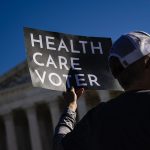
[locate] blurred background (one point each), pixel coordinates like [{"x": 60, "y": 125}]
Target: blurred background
[{"x": 29, "y": 115}]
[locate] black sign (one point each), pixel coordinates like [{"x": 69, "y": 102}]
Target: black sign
[{"x": 58, "y": 61}]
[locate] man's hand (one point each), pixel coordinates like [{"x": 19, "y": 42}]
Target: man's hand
[{"x": 72, "y": 96}]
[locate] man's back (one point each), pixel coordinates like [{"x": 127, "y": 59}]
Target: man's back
[
  {"x": 123, "y": 123},
  {"x": 120, "y": 124}
]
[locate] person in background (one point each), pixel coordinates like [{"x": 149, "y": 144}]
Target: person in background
[{"x": 122, "y": 123}]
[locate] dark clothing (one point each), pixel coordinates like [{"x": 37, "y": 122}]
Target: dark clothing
[{"x": 120, "y": 124}]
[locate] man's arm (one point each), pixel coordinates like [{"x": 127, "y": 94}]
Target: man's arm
[{"x": 68, "y": 119}]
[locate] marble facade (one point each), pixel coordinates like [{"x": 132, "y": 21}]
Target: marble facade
[{"x": 29, "y": 115}]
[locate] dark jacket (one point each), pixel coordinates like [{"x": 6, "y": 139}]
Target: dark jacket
[{"x": 120, "y": 124}]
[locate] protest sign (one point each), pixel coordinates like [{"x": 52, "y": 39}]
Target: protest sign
[{"x": 59, "y": 61}]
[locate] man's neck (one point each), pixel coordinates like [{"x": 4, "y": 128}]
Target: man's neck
[{"x": 137, "y": 87}]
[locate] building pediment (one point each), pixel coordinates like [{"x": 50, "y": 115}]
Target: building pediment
[{"x": 16, "y": 76}]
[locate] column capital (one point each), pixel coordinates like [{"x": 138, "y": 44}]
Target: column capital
[
  {"x": 27, "y": 106},
  {"x": 4, "y": 111}
]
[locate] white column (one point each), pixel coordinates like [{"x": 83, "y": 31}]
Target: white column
[
  {"x": 10, "y": 132},
  {"x": 82, "y": 107},
  {"x": 34, "y": 129},
  {"x": 104, "y": 95},
  {"x": 55, "y": 112}
]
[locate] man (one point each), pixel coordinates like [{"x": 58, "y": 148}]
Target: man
[{"x": 124, "y": 122}]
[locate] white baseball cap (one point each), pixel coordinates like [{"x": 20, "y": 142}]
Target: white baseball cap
[{"x": 131, "y": 47}]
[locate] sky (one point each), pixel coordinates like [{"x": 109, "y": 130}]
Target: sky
[{"x": 107, "y": 18}]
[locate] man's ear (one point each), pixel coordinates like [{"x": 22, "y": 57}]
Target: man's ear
[
  {"x": 115, "y": 66},
  {"x": 147, "y": 63}
]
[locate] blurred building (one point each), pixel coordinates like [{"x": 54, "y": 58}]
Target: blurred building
[{"x": 28, "y": 115}]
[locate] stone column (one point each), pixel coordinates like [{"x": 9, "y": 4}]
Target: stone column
[
  {"x": 82, "y": 107},
  {"x": 10, "y": 132},
  {"x": 34, "y": 129},
  {"x": 104, "y": 95},
  {"x": 55, "y": 112}
]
